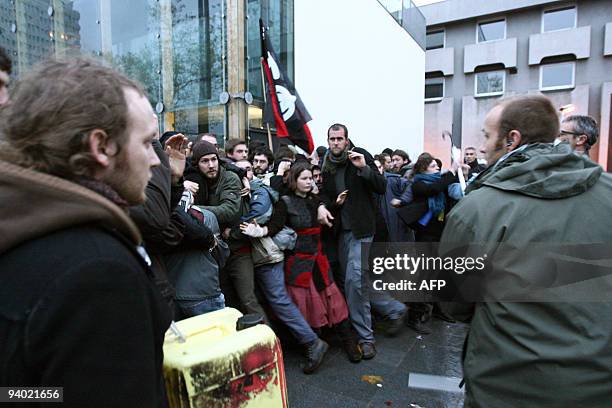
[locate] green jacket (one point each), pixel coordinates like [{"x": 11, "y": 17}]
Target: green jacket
[
  {"x": 224, "y": 198},
  {"x": 550, "y": 354}
]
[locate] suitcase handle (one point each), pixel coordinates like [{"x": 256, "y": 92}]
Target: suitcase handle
[
  {"x": 182, "y": 338},
  {"x": 175, "y": 330}
]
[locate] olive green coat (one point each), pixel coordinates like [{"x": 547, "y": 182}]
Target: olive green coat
[{"x": 554, "y": 354}]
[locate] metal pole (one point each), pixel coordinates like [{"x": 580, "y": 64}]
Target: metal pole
[{"x": 263, "y": 83}]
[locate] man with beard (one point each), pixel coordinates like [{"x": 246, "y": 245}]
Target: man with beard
[
  {"x": 580, "y": 131},
  {"x": 219, "y": 191},
  {"x": 79, "y": 308},
  {"x": 262, "y": 160},
  {"x": 317, "y": 177},
  {"x": 350, "y": 183},
  {"x": 543, "y": 352}
]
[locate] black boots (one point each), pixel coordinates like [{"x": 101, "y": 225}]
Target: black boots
[
  {"x": 368, "y": 350},
  {"x": 315, "y": 352},
  {"x": 349, "y": 342}
]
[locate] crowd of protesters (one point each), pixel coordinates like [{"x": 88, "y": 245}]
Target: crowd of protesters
[{"x": 111, "y": 230}]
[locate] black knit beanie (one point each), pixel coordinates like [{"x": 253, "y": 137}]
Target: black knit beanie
[{"x": 202, "y": 148}]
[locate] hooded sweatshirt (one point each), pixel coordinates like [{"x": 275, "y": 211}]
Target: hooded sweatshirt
[
  {"x": 78, "y": 307},
  {"x": 536, "y": 354}
]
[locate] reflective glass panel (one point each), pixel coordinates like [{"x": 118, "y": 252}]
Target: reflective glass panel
[
  {"x": 30, "y": 32},
  {"x": 85, "y": 34},
  {"x": 198, "y": 70},
  {"x": 130, "y": 33},
  {"x": 8, "y": 39},
  {"x": 559, "y": 19},
  {"x": 493, "y": 30},
  {"x": 435, "y": 40},
  {"x": 490, "y": 82},
  {"x": 278, "y": 15},
  {"x": 175, "y": 48},
  {"x": 557, "y": 75}
]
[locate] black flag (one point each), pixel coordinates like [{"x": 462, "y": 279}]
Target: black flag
[{"x": 284, "y": 108}]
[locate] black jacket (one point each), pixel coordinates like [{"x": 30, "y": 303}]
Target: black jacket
[
  {"x": 153, "y": 218},
  {"x": 78, "y": 306},
  {"x": 363, "y": 186},
  {"x": 166, "y": 227},
  {"x": 475, "y": 168},
  {"x": 161, "y": 232}
]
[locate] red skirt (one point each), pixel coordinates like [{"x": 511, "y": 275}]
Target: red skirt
[{"x": 324, "y": 308}]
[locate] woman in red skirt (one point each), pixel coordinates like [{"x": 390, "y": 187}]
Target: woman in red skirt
[{"x": 308, "y": 277}]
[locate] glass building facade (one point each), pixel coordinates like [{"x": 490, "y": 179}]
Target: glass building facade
[{"x": 186, "y": 53}]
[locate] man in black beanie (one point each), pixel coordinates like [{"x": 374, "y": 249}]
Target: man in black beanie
[
  {"x": 215, "y": 189},
  {"x": 219, "y": 192}
]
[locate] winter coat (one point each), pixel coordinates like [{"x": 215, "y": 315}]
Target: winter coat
[
  {"x": 78, "y": 306},
  {"x": 362, "y": 184},
  {"x": 261, "y": 203},
  {"x": 536, "y": 354},
  {"x": 153, "y": 217},
  {"x": 475, "y": 168},
  {"x": 398, "y": 187},
  {"x": 194, "y": 271},
  {"x": 304, "y": 261},
  {"x": 161, "y": 232},
  {"x": 221, "y": 198},
  {"x": 406, "y": 170}
]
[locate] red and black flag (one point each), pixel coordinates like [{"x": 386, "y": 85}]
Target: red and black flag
[{"x": 284, "y": 108}]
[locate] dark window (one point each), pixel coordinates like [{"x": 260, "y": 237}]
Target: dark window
[
  {"x": 434, "y": 88},
  {"x": 435, "y": 40}
]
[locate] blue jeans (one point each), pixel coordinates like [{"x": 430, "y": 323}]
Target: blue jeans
[
  {"x": 359, "y": 297},
  {"x": 192, "y": 308},
  {"x": 271, "y": 280}
]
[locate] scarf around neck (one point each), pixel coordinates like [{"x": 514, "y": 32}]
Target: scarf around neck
[
  {"x": 331, "y": 162},
  {"x": 104, "y": 190}
]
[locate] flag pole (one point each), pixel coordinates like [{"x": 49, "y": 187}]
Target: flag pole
[
  {"x": 284, "y": 109},
  {"x": 262, "y": 34},
  {"x": 263, "y": 84}
]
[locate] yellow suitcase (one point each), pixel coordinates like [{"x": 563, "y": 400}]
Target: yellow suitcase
[{"x": 217, "y": 366}]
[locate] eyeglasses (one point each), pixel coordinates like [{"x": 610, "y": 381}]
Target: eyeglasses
[{"x": 567, "y": 132}]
